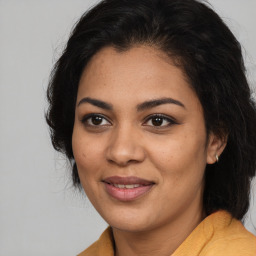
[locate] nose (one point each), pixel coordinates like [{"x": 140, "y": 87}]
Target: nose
[{"x": 125, "y": 147}]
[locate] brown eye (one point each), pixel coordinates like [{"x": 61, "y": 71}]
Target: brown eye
[
  {"x": 95, "y": 120},
  {"x": 157, "y": 121}
]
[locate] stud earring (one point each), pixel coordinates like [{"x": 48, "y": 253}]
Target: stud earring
[{"x": 217, "y": 158}]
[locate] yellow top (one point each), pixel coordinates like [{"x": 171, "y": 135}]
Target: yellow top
[{"x": 217, "y": 235}]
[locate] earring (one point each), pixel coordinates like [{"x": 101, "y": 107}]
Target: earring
[{"x": 217, "y": 158}]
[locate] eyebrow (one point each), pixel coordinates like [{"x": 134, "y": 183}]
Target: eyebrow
[
  {"x": 143, "y": 106},
  {"x": 97, "y": 103},
  {"x": 158, "y": 102}
]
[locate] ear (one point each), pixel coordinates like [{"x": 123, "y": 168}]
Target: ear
[{"x": 215, "y": 147}]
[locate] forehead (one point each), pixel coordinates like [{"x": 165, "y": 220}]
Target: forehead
[
  {"x": 141, "y": 72},
  {"x": 135, "y": 63}
]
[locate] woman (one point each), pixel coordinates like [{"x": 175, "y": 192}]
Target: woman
[{"x": 150, "y": 103}]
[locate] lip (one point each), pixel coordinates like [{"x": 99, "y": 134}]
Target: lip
[
  {"x": 127, "y": 194},
  {"x": 127, "y": 180}
]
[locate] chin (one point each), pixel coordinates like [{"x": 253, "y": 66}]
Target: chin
[
  {"x": 130, "y": 227},
  {"x": 131, "y": 222}
]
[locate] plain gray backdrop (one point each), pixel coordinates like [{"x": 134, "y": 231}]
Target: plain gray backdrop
[{"x": 40, "y": 213}]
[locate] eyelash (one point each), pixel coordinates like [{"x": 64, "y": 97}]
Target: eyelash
[
  {"x": 89, "y": 116},
  {"x": 171, "y": 121}
]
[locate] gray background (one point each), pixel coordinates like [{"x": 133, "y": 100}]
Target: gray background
[{"x": 40, "y": 213}]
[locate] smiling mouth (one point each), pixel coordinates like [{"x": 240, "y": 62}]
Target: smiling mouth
[{"x": 127, "y": 188}]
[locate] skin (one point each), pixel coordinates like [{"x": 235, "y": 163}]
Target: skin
[{"x": 128, "y": 143}]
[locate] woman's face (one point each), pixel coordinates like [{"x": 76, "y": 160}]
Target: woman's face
[{"x": 139, "y": 139}]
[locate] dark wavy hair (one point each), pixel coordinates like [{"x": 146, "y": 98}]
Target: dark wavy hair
[{"x": 199, "y": 42}]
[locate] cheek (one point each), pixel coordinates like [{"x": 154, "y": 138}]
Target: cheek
[
  {"x": 88, "y": 161},
  {"x": 177, "y": 153},
  {"x": 181, "y": 160},
  {"x": 87, "y": 155}
]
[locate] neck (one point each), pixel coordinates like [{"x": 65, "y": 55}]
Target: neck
[{"x": 161, "y": 241}]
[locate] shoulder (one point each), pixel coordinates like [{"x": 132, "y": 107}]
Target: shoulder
[
  {"x": 230, "y": 238},
  {"x": 218, "y": 235},
  {"x": 103, "y": 246}
]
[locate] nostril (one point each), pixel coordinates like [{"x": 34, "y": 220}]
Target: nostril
[
  {"x": 124, "y": 147},
  {"x": 122, "y": 162}
]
